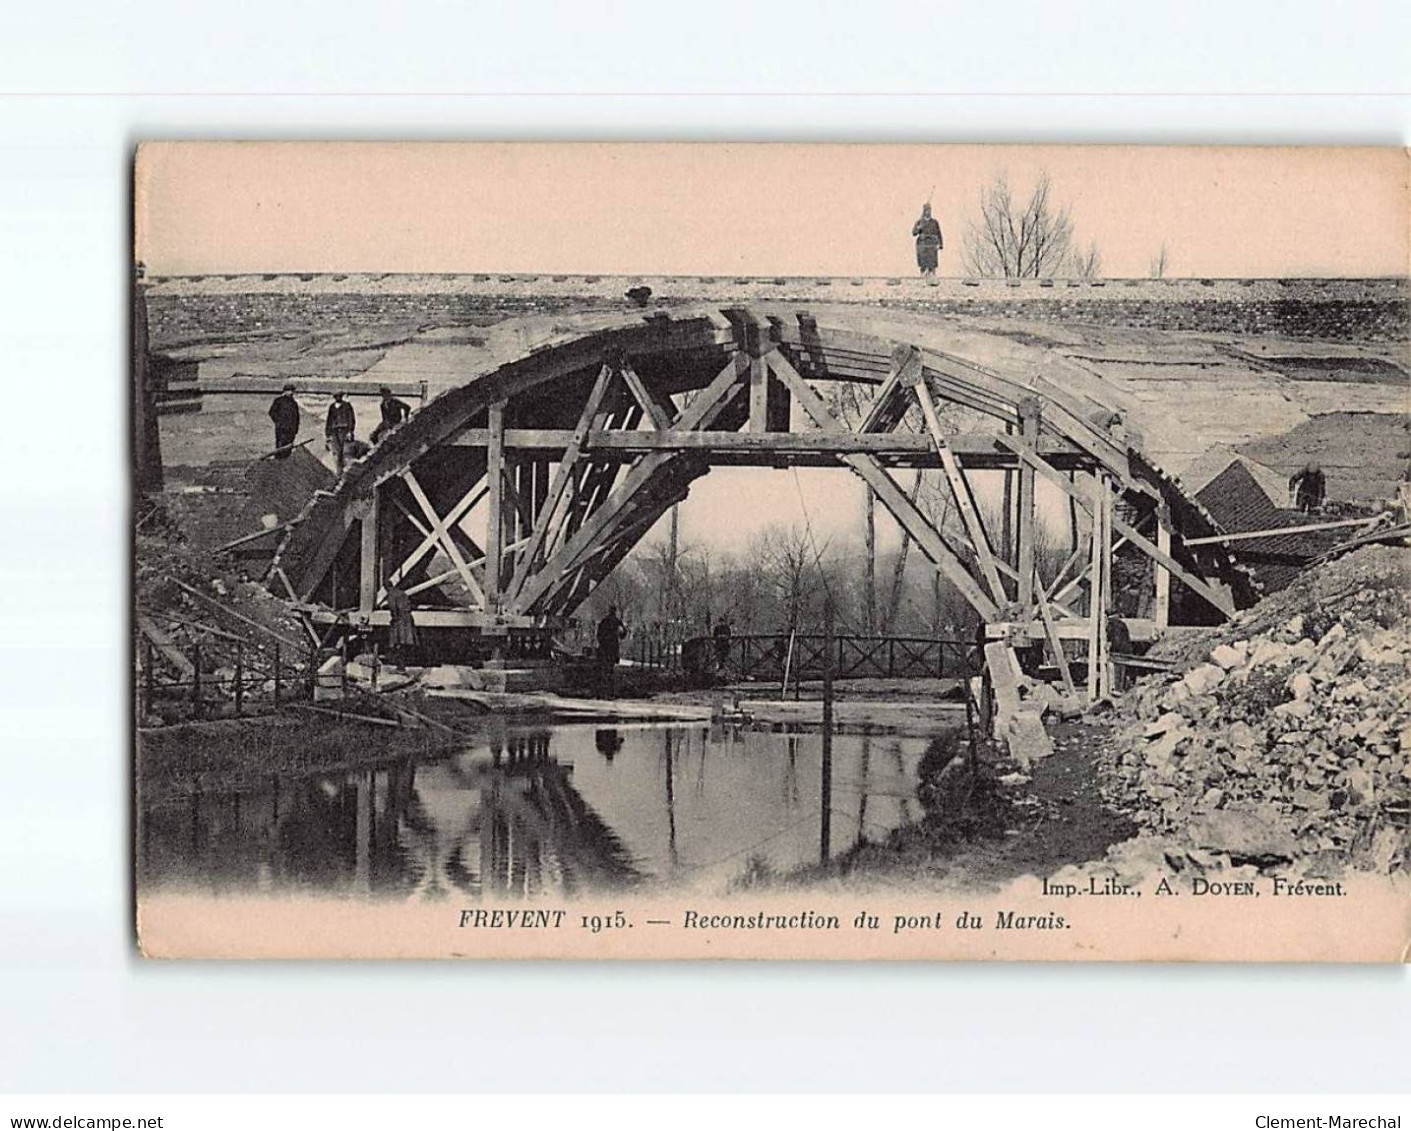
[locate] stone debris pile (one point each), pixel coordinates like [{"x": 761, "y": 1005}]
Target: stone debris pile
[{"x": 1289, "y": 744}]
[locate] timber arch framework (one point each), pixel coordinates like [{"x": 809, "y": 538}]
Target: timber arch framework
[{"x": 500, "y": 505}]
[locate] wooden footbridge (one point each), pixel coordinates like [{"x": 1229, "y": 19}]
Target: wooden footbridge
[{"x": 503, "y": 502}]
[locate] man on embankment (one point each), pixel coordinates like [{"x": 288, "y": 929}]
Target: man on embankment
[
  {"x": 339, "y": 429},
  {"x": 927, "y": 231},
  {"x": 284, "y": 411}
]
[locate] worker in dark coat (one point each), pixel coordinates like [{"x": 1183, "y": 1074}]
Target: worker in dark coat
[
  {"x": 611, "y": 630},
  {"x": 339, "y": 428},
  {"x": 720, "y": 634},
  {"x": 927, "y": 231},
  {"x": 1309, "y": 487},
  {"x": 401, "y": 639},
  {"x": 394, "y": 411},
  {"x": 284, "y": 411}
]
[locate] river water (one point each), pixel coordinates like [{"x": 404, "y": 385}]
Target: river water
[{"x": 547, "y": 809}]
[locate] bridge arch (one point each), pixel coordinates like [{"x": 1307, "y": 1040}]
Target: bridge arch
[{"x": 506, "y": 500}]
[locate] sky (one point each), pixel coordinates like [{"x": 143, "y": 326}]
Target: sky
[{"x": 715, "y": 209}]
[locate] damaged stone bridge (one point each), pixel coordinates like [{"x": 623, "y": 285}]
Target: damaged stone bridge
[{"x": 503, "y": 502}]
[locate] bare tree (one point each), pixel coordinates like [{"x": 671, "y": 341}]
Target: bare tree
[
  {"x": 787, "y": 557},
  {"x": 1010, "y": 241},
  {"x": 1087, "y": 264},
  {"x": 1159, "y": 262}
]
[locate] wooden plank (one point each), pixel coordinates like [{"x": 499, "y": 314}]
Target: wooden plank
[
  {"x": 226, "y": 610},
  {"x": 893, "y": 497},
  {"x": 960, "y": 490},
  {"x": 1246, "y": 535},
  {"x": 495, "y": 477},
  {"x": 166, "y": 646}
]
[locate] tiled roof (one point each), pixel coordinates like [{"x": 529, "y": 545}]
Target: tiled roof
[{"x": 1239, "y": 503}]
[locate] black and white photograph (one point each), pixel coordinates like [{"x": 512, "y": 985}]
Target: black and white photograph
[{"x": 683, "y": 550}]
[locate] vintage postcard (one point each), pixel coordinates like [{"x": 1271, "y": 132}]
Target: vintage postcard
[{"x": 771, "y": 551}]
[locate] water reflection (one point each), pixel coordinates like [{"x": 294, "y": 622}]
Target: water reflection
[{"x": 533, "y": 810}]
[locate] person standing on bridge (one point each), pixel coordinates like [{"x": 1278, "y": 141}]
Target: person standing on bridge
[
  {"x": 339, "y": 428},
  {"x": 394, "y": 411},
  {"x": 611, "y": 630},
  {"x": 927, "y": 231},
  {"x": 284, "y": 411}
]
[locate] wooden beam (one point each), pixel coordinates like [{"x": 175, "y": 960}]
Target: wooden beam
[
  {"x": 438, "y": 618},
  {"x": 562, "y": 478},
  {"x": 979, "y": 449},
  {"x": 1097, "y": 625},
  {"x": 883, "y": 414},
  {"x": 1029, "y": 414},
  {"x": 245, "y": 383},
  {"x": 1105, "y": 604},
  {"x": 1217, "y": 598},
  {"x": 1055, "y": 644},
  {"x": 926, "y": 536},
  {"x": 655, "y": 411},
  {"x": 1162, "y": 612},
  {"x": 367, "y": 557},
  {"x": 759, "y": 397},
  {"x": 429, "y": 538},
  {"x": 960, "y": 490},
  {"x": 495, "y": 530},
  {"x": 701, "y": 412},
  {"x": 442, "y": 533},
  {"x": 1246, "y": 535}
]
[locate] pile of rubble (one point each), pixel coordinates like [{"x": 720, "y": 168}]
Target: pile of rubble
[{"x": 1285, "y": 738}]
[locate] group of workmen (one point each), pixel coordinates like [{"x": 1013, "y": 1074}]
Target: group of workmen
[{"x": 340, "y": 427}]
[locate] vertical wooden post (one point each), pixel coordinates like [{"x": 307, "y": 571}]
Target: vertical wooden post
[
  {"x": 1029, "y": 414},
  {"x": 367, "y": 574},
  {"x": 1096, "y": 567},
  {"x": 376, "y": 664},
  {"x": 196, "y": 680},
  {"x": 825, "y": 832},
  {"x": 342, "y": 670},
  {"x": 759, "y": 394},
  {"x": 239, "y": 678},
  {"x": 1105, "y": 672},
  {"x": 1006, "y": 535},
  {"x": 1163, "y": 575},
  {"x": 494, "y": 479},
  {"x": 869, "y": 531}
]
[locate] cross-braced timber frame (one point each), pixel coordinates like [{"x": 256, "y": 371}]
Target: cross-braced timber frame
[{"x": 505, "y": 501}]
